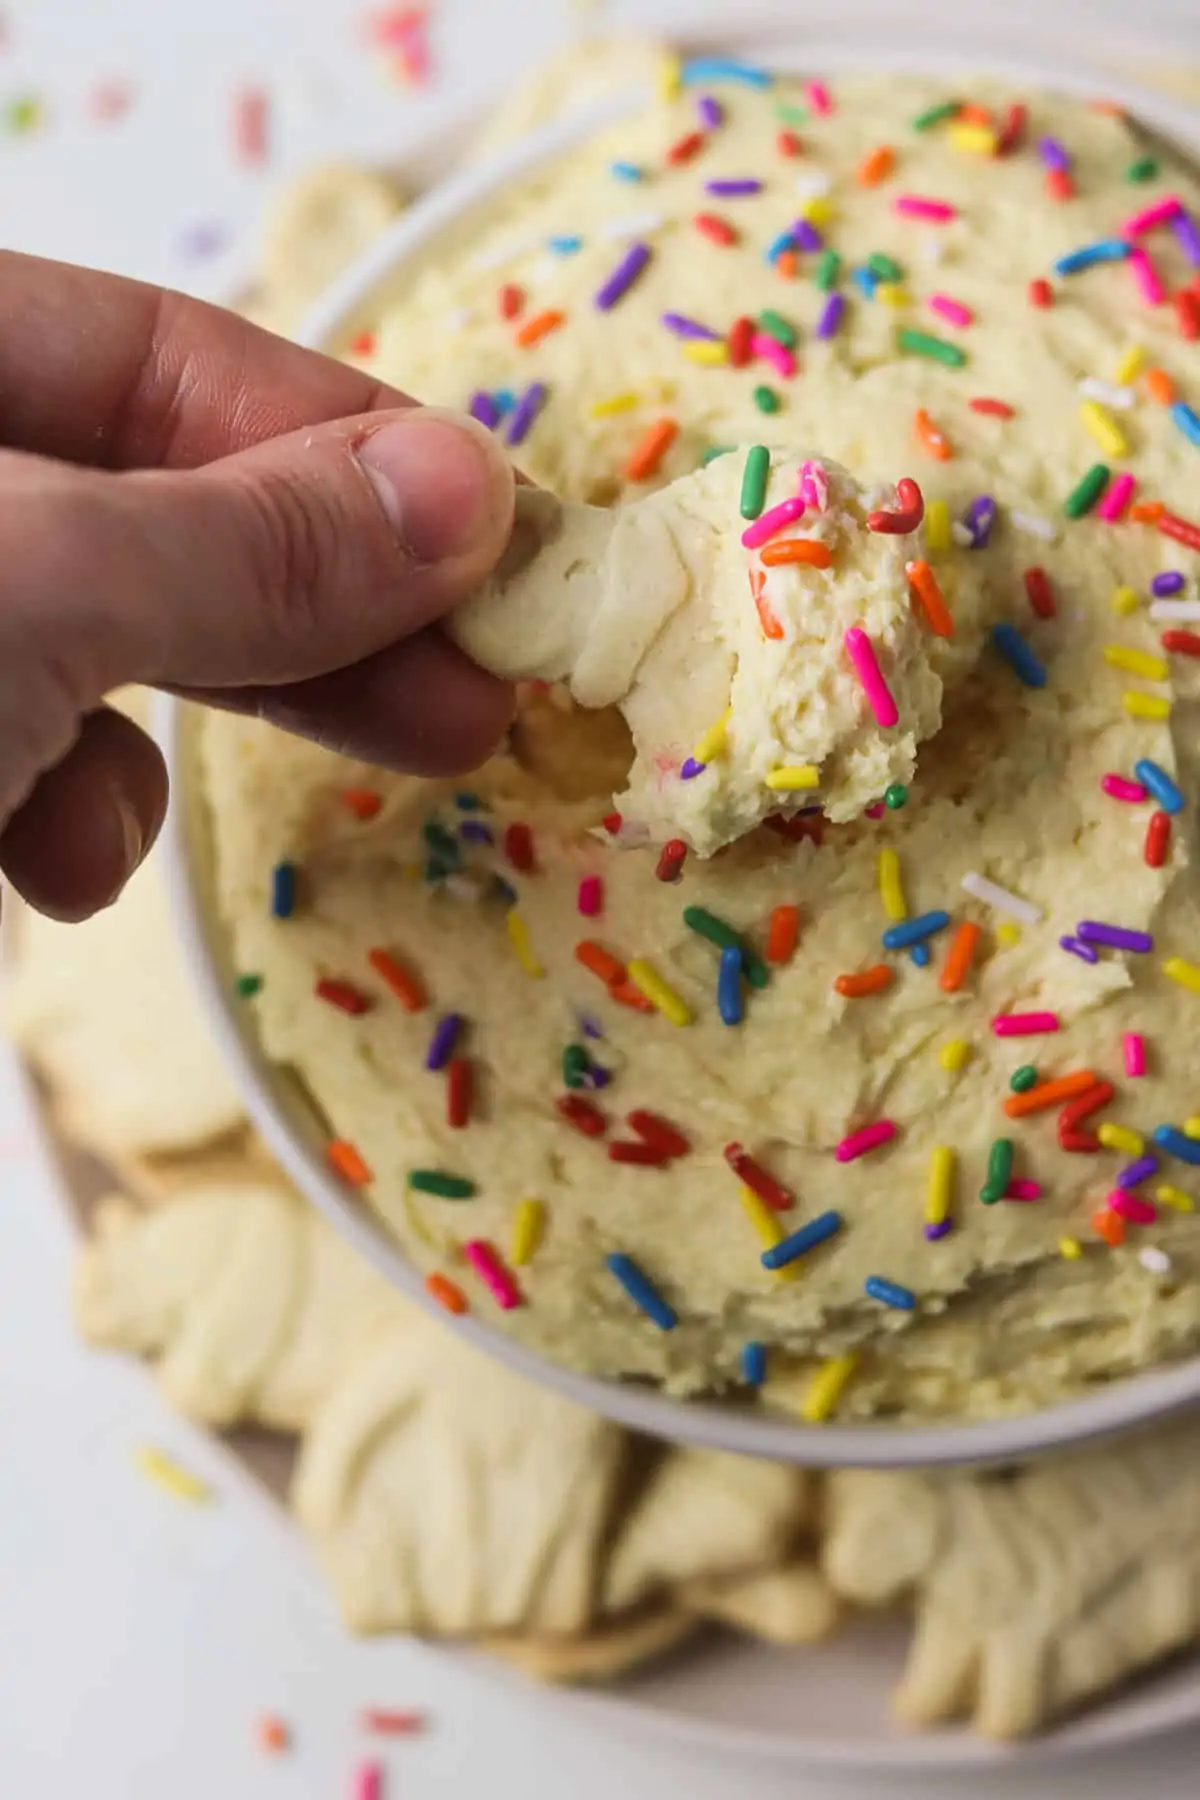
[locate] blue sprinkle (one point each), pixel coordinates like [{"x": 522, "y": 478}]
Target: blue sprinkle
[
  {"x": 914, "y": 931},
  {"x": 474, "y": 831},
  {"x": 1107, "y": 250},
  {"x": 1151, "y": 776},
  {"x": 626, "y": 171},
  {"x": 1188, "y": 421},
  {"x": 466, "y": 801},
  {"x": 723, "y": 68},
  {"x": 729, "y": 986},
  {"x": 754, "y": 1364},
  {"x": 785, "y": 241},
  {"x": 890, "y": 1293},
  {"x": 283, "y": 890},
  {"x": 504, "y": 400},
  {"x": 565, "y": 246},
  {"x": 642, "y": 1291},
  {"x": 1134, "y": 1173},
  {"x": 1177, "y": 1143},
  {"x": 865, "y": 281},
  {"x": 1021, "y": 658},
  {"x": 921, "y": 955},
  {"x": 789, "y": 1249}
]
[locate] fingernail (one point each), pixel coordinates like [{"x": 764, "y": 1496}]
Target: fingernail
[
  {"x": 444, "y": 483},
  {"x": 132, "y": 840}
]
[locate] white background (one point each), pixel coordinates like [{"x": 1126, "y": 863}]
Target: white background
[{"x": 140, "y": 1639}]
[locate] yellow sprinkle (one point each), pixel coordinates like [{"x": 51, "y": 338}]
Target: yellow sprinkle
[
  {"x": 1146, "y": 706},
  {"x": 1187, "y": 974},
  {"x": 827, "y": 1387},
  {"x": 648, "y": 982},
  {"x": 1126, "y": 600},
  {"x": 518, "y": 937},
  {"x": 1175, "y": 1198},
  {"x": 937, "y": 524},
  {"x": 939, "y": 1192},
  {"x": 1071, "y": 1248},
  {"x": 1136, "y": 662},
  {"x": 1008, "y": 935},
  {"x": 1104, "y": 428},
  {"x": 891, "y": 885},
  {"x": 670, "y": 78},
  {"x": 711, "y": 354},
  {"x": 954, "y": 1055},
  {"x": 892, "y": 294},
  {"x": 166, "y": 1474},
  {"x": 712, "y": 744},
  {"x": 528, "y": 1224},
  {"x": 1121, "y": 1137},
  {"x": 980, "y": 140},
  {"x": 619, "y": 403},
  {"x": 817, "y": 209},
  {"x": 1129, "y": 364},
  {"x": 1191, "y": 1127},
  {"x": 801, "y": 778},
  {"x": 767, "y": 1229}
]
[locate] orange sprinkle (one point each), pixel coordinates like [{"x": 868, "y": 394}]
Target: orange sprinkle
[
  {"x": 599, "y": 961},
  {"x": 771, "y": 628},
  {"x": 928, "y": 594},
  {"x": 970, "y": 113},
  {"x": 447, "y": 1293},
  {"x": 782, "y": 933},
  {"x": 364, "y": 803},
  {"x": 392, "y": 1722},
  {"x": 933, "y": 441},
  {"x": 540, "y": 326},
  {"x": 1049, "y": 1093},
  {"x": 362, "y": 343},
  {"x": 809, "y": 551},
  {"x": 959, "y": 958},
  {"x": 787, "y": 264},
  {"x": 272, "y": 1734},
  {"x": 1147, "y": 512},
  {"x": 650, "y": 449},
  {"x": 345, "y": 1161},
  {"x": 877, "y": 166},
  {"x": 869, "y": 981},
  {"x": 1160, "y": 387},
  {"x": 403, "y": 983},
  {"x": 1108, "y": 1225},
  {"x": 626, "y": 994}
]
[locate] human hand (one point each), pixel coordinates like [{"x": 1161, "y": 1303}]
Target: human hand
[{"x": 189, "y": 502}]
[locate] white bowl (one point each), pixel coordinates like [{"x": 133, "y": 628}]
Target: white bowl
[{"x": 288, "y": 1123}]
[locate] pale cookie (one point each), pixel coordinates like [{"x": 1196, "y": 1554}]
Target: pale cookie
[
  {"x": 317, "y": 229},
  {"x": 793, "y": 1604},
  {"x": 1034, "y": 1591},
  {"x": 605, "y": 1653},
  {"x": 573, "y": 80}
]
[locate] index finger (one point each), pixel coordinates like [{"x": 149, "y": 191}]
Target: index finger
[{"x": 120, "y": 375}]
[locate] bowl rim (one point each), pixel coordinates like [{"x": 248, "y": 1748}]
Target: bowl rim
[{"x": 1125, "y": 1403}]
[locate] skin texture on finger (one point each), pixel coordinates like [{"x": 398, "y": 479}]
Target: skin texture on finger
[{"x": 89, "y": 821}]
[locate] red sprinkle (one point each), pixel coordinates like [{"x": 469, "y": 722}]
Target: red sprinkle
[
  {"x": 648, "y": 1155},
  {"x": 387, "y": 1723},
  {"x": 752, "y": 1175},
  {"x": 362, "y": 802},
  {"x": 1084, "y": 1105},
  {"x": 362, "y": 343},
  {"x": 342, "y": 994},
  {"x": 1182, "y": 530},
  {"x": 626, "y": 994},
  {"x": 1187, "y": 314},
  {"x": 788, "y": 144},
  {"x": 656, "y": 1131},
  {"x": 669, "y": 866},
  {"x": 1158, "y": 839},
  {"x": 1181, "y": 643},
  {"x": 1040, "y": 293},
  {"x": 741, "y": 336},
  {"x": 995, "y": 409},
  {"x": 405, "y": 986},
  {"x": 796, "y": 828},
  {"x": 510, "y": 300},
  {"x": 715, "y": 229},
  {"x": 783, "y": 933},
  {"x": 250, "y": 126},
  {"x": 1059, "y": 184},
  {"x": 1012, "y": 130},
  {"x": 581, "y": 1114},
  {"x": 612, "y": 823},
  {"x": 1040, "y": 592},
  {"x": 684, "y": 148},
  {"x": 1082, "y": 1143},
  {"x": 459, "y": 1086},
  {"x": 518, "y": 846}
]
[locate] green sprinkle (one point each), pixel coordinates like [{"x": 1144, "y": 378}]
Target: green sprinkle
[
  {"x": 24, "y": 114},
  {"x": 442, "y": 844},
  {"x": 884, "y": 268},
  {"x": 575, "y": 1066},
  {"x": 999, "y": 1171},
  {"x": 776, "y": 326},
  {"x": 754, "y": 481},
  {"x": 1022, "y": 1079},
  {"x": 248, "y": 985},
  {"x": 935, "y": 348},
  {"x": 446, "y": 1187},
  {"x": 713, "y": 452},
  {"x": 1144, "y": 169},
  {"x": 767, "y": 400},
  {"x": 791, "y": 115},
  {"x": 933, "y": 115},
  {"x": 829, "y": 264},
  {"x": 896, "y": 796},
  {"x": 1081, "y": 499},
  {"x": 707, "y": 925}
]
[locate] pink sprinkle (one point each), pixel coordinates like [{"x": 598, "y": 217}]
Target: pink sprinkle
[
  {"x": 250, "y": 109},
  {"x": 1138, "y": 1212},
  {"x": 1116, "y": 498},
  {"x": 861, "y": 652},
  {"x": 1024, "y": 1024},
  {"x": 591, "y": 896},
  {"x": 954, "y": 310},
  {"x": 814, "y": 485},
  {"x": 773, "y": 522},
  {"x": 1119, "y": 787},
  {"x": 876, "y": 809},
  {"x": 491, "y": 1271},
  {"x": 869, "y": 1138},
  {"x": 819, "y": 98},
  {"x": 1133, "y": 1047},
  {"x": 1159, "y": 214},
  {"x": 916, "y": 206},
  {"x": 1146, "y": 276},
  {"x": 781, "y": 360},
  {"x": 1020, "y": 1189},
  {"x": 368, "y": 1781}
]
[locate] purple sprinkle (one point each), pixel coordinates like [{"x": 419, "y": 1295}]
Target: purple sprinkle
[
  {"x": 441, "y": 1044},
  {"x": 525, "y": 412},
  {"x": 979, "y": 518},
  {"x": 709, "y": 112},
  {"x": 1134, "y": 1173},
  {"x": 831, "y": 316},
  {"x": 596, "y": 1076},
  {"x": 1083, "y": 951},
  {"x": 934, "y": 1232},
  {"x": 484, "y": 408},
  {"x": 1169, "y": 582},
  {"x": 1054, "y": 154},
  {"x": 1187, "y": 236},
  {"x": 622, "y": 277},
  {"x": 206, "y": 238},
  {"x": 1114, "y": 937},
  {"x": 806, "y": 236},
  {"x": 474, "y": 831},
  {"x": 690, "y": 768},
  {"x": 590, "y": 1026},
  {"x": 683, "y": 327},
  {"x": 732, "y": 190}
]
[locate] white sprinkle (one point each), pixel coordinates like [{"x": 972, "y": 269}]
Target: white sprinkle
[
  {"x": 933, "y": 248},
  {"x": 962, "y": 534},
  {"x": 1033, "y": 525},
  {"x": 633, "y": 225},
  {"x": 508, "y": 251},
  {"x": 982, "y": 889},
  {"x": 1187, "y": 611},
  {"x": 814, "y": 184},
  {"x": 459, "y": 318},
  {"x": 1157, "y": 1261},
  {"x": 1108, "y": 393}
]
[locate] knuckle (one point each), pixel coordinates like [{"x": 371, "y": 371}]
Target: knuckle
[{"x": 295, "y": 545}]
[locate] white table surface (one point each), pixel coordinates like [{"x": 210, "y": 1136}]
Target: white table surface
[{"x": 140, "y": 1639}]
